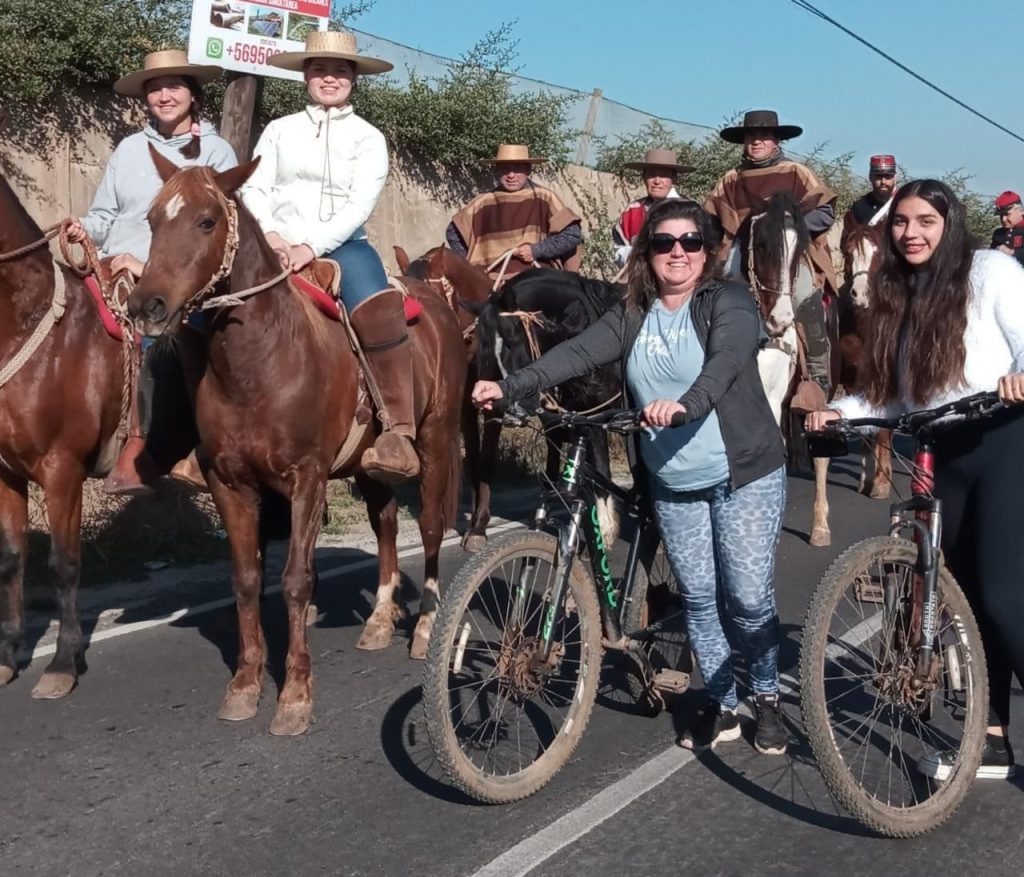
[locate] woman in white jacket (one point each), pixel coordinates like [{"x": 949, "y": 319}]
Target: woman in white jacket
[
  {"x": 946, "y": 322},
  {"x": 320, "y": 174}
]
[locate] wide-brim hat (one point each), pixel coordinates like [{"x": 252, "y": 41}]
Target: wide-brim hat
[
  {"x": 167, "y": 62},
  {"x": 331, "y": 44},
  {"x": 762, "y": 120},
  {"x": 513, "y": 153},
  {"x": 659, "y": 158}
]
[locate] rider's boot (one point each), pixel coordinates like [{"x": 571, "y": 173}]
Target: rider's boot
[
  {"x": 811, "y": 317},
  {"x": 380, "y": 325},
  {"x": 135, "y": 471},
  {"x": 193, "y": 363}
]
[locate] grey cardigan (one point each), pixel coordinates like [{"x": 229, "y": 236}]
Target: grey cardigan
[{"x": 729, "y": 328}]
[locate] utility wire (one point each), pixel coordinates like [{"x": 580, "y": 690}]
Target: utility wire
[{"x": 808, "y": 7}]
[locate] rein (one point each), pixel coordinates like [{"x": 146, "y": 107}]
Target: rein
[
  {"x": 48, "y": 235},
  {"x": 528, "y": 320},
  {"x": 503, "y": 260}
]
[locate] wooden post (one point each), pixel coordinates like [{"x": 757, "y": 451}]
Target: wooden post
[
  {"x": 239, "y": 111},
  {"x": 588, "y": 126}
]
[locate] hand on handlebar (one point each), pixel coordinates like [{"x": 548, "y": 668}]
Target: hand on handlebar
[
  {"x": 485, "y": 394},
  {"x": 1011, "y": 388},
  {"x": 817, "y": 420},
  {"x": 661, "y": 412}
]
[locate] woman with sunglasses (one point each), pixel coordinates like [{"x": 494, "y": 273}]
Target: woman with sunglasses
[
  {"x": 688, "y": 341},
  {"x": 947, "y": 321}
]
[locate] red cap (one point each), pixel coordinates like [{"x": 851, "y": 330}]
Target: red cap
[
  {"x": 883, "y": 164},
  {"x": 1007, "y": 199}
]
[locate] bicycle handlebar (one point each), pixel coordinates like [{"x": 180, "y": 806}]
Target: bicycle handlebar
[{"x": 613, "y": 419}]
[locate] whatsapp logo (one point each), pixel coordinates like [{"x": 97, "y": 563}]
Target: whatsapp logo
[{"x": 215, "y": 47}]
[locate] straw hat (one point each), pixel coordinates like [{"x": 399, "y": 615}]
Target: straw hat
[
  {"x": 766, "y": 120},
  {"x": 513, "y": 153},
  {"x": 331, "y": 44},
  {"x": 659, "y": 158},
  {"x": 169, "y": 62}
]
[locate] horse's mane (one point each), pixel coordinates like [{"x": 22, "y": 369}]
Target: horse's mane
[
  {"x": 767, "y": 238},
  {"x": 15, "y": 211}
]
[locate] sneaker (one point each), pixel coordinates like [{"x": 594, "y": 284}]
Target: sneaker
[
  {"x": 771, "y": 736},
  {"x": 996, "y": 761},
  {"x": 712, "y": 724}
]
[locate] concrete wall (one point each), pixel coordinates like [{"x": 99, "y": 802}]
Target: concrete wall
[{"x": 55, "y": 167}]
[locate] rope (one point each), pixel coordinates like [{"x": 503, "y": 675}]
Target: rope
[
  {"x": 48, "y": 234},
  {"x": 529, "y": 319},
  {"x": 504, "y": 259},
  {"x": 52, "y": 316},
  {"x": 233, "y": 299}
]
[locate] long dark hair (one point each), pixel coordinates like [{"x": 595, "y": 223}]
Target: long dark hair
[
  {"x": 922, "y": 313},
  {"x": 191, "y": 149},
  {"x": 641, "y": 284}
]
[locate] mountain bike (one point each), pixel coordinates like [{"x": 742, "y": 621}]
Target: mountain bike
[
  {"x": 516, "y": 651},
  {"x": 893, "y": 687}
]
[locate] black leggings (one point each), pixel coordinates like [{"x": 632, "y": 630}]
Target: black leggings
[{"x": 980, "y": 479}]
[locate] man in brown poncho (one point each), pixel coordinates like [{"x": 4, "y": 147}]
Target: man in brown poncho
[
  {"x": 518, "y": 215},
  {"x": 745, "y": 191}
]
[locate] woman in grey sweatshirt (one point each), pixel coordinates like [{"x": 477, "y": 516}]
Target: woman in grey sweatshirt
[{"x": 116, "y": 221}]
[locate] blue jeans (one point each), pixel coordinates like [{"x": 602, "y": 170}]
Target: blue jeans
[
  {"x": 362, "y": 272},
  {"x": 721, "y": 545}
]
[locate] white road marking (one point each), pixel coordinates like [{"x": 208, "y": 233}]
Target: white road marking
[
  {"x": 213, "y": 605},
  {"x": 528, "y": 854},
  {"x": 521, "y": 859}
]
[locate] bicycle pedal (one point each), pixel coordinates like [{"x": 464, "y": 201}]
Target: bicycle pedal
[
  {"x": 671, "y": 681},
  {"x": 868, "y": 592}
]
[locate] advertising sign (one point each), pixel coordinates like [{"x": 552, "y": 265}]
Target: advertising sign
[{"x": 244, "y": 36}]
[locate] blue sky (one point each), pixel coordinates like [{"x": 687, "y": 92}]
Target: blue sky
[{"x": 701, "y": 60}]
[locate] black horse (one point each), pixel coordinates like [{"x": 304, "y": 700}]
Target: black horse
[{"x": 532, "y": 313}]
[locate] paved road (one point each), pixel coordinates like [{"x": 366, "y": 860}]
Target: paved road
[{"x": 133, "y": 774}]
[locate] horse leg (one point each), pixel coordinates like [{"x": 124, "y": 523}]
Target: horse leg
[
  {"x": 295, "y": 704},
  {"x": 240, "y": 510},
  {"x": 433, "y": 484},
  {"x": 881, "y": 485},
  {"x": 63, "y": 489},
  {"x": 482, "y": 474},
  {"x": 821, "y": 535},
  {"x": 13, "y": 551},
  {"x": 607, "y": 515},
  {"x": 382, "y": 510}
]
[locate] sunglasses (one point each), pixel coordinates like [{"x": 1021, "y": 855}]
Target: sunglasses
[{"x": 691, "y": 242}]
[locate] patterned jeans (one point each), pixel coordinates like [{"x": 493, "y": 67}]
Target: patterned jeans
[{"x": 721, "y": 547}]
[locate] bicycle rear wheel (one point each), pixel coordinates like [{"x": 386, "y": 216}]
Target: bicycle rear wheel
[
  {"x": 502, "y": 724},
  {"x": 881, "y": 740}
]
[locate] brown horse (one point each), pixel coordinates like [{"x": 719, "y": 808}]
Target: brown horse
[
  {"x": 59, "y": 417},
  {"x": 277, "y": 407},
  {"x": 860, "y": 247},
  {"x": 460, "y": 282}
]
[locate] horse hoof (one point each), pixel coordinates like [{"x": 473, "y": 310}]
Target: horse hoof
[
  {"x": 881, "y": 491},
  {"x": 238, "y": 706},
  {"x": 418, "y": 649},
  {"x": 473, "y": 542},
  {"x": 292, "y": 719},
  {"x": 820, "y": 537},
  {"x": 53, "y": 686},
  {"x": 375, "y": 637},
  {"x": 311, "y": 614},
  {"x": 6, "y": 675}
]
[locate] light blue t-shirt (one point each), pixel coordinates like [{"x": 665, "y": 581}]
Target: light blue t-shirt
[{"x": 664, "y": 362}]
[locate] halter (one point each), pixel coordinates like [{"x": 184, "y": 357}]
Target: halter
[
  {"x": 756, "y": 286},
  {"x": 231, "y": 241}
]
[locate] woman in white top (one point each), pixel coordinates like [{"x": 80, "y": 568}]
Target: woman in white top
[
  {"x": 321, "y": 172},
  {"x": 947, "y": 321}
]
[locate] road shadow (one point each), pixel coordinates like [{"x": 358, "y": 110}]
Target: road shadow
[{"x": 404, "y": 741}]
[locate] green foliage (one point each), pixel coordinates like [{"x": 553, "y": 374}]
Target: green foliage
[
  {"x": 980, "y": 219},
  {"x": 48, "y": 48},
  {"x": 463, "y": 115}
]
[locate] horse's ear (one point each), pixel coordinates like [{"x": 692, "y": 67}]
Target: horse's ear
[
  {"x": 402, "y": 259},
  {"x": 234, "y": 178},
  {"x": 164, "y": 166}
]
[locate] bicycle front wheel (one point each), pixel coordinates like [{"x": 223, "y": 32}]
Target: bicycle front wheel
[
  {"x": 502, "y": 721},
  {"x": 897, "y": 751}
]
